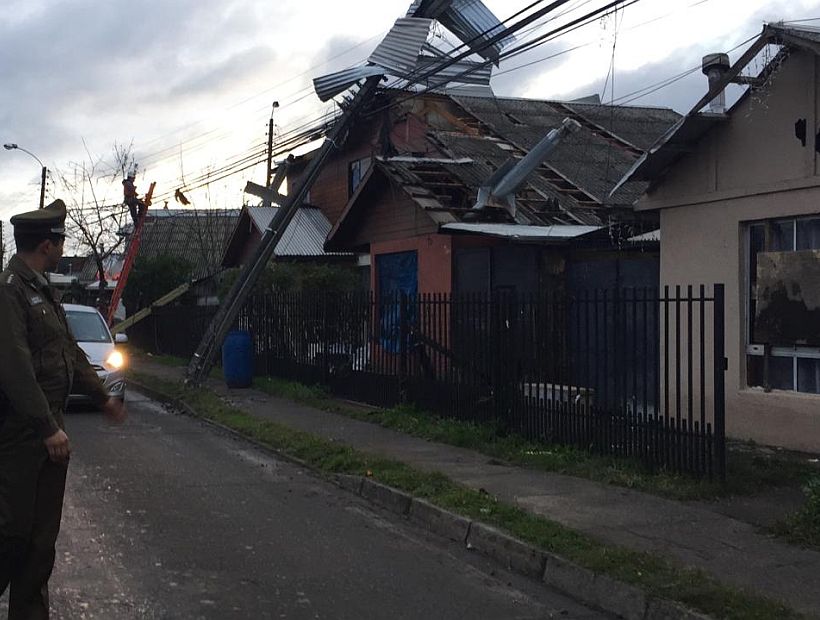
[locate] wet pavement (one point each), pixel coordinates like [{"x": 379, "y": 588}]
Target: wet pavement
[{"x": 169, "y": 518}]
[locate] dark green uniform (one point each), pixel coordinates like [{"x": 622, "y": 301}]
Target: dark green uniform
[{"x": 39, "y": 363}]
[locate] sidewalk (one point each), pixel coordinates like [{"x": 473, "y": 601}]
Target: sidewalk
[{"x": 732, "y": 551}]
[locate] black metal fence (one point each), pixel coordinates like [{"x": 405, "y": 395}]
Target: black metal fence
[
  {"x": 637, "y": 373},
  {"x": 172, "y": 330}
]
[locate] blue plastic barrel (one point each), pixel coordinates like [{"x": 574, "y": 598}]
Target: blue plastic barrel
[{"x": 237, "y": 359}]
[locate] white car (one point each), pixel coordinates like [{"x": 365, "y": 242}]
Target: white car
[{"x": 92, "y": 334}]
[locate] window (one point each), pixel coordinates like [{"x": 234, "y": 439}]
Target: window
[
  {"x": 87, "y": 327},
  {"x": 782, "y": 349},
  {"x": 358, "y": 168}
]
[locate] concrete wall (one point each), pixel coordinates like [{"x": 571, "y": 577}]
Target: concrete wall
[{"x": 750, "y": 168}]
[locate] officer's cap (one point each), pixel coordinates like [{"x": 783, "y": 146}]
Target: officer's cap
[{"x": 49, "y": 220}]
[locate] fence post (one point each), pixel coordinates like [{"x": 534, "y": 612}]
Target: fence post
[
  {"x": 325, "y": 343},
  {"x": 403, "y": 334},
  {"x": 720, "y": 364}
]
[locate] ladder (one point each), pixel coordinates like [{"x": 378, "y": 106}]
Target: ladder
[{"x": 130, "y": 256}]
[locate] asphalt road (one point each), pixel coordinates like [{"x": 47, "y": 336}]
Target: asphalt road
[{"x": 169, "y": 518}]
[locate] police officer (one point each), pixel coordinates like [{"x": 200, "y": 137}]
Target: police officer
[{"x": 40, "y": 364}]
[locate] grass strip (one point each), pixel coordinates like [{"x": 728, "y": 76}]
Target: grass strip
[
  {"x": 803, "y": 526},
  {"x": 749, "y": 471},
  {"x": 655, "y": 575}
]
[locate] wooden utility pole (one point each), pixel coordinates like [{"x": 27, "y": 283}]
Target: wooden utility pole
[{"x": 201, "y": 362}]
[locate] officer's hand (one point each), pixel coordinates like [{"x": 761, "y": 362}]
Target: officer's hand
[
  {"x": 58, "y": 447},
  {"x": 114, "y": 411}
]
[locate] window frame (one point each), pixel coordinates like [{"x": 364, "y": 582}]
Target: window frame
[
  {"x": 362, "y": 171},
  {"x": 753, "y": 349}
]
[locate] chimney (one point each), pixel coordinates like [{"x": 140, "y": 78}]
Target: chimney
[{"x": 715, "y": 67}]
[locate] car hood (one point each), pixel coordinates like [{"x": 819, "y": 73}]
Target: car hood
[{"x": 97, "y": 352}]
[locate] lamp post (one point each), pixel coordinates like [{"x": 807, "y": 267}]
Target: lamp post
[{"x": 12, "y": 147}]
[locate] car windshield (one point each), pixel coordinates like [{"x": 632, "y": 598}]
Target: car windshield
[{"x": 87, "y": 327}]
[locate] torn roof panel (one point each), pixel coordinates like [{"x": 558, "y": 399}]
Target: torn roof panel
[
  {"x": 328, "y": 86},
  {"x": 399, "y": 51},
  {"x": 463, "y": 72},
  {"x": 475, "y": 25}
]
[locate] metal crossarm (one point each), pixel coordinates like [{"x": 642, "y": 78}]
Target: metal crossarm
[
  {"x": 130, "y": 256},
  {"x": 202, "y": 360}
]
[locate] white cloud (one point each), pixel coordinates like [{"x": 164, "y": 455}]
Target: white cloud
[{"x": 192, "y": 81}]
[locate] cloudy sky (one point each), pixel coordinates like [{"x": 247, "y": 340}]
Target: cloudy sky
[{"x": 190, "y": 82}]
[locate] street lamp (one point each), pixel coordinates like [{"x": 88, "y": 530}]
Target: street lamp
[{"x": 11, "y": 147}]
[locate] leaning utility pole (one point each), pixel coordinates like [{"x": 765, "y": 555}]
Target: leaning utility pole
[{"x": 201, "y": 362}]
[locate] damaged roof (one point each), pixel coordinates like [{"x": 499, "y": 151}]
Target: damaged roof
[
  {"x": 571, "y": 187},
  {"x": 590, "y": 162}
]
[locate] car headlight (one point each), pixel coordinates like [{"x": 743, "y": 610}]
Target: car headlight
[{"x": 115, "y": 360}]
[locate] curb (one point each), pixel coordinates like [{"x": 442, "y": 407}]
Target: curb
[
  {"x": 586, "y": 586},
  {"x": 590, "y": 588}
]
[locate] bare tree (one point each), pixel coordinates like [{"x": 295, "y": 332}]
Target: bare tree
[{"x": 97, "y": 216}]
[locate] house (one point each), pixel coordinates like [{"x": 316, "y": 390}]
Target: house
[
  {"x": 403, "y": 187},
  {"x": 303, "y": 240},
  {"x": 738, "y": 194}
]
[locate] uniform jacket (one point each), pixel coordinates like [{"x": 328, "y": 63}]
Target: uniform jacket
[{"x": 39, "y": 359}]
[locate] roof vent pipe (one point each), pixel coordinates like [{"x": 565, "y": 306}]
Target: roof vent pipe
[
  {"x": 511, "y": 176},
  {"x": 715, "y": 67}
]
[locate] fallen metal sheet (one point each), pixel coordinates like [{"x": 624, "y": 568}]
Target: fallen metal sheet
[
  {"x": 328, "y": 86},
  {"x": 475, "y": 24},
  {"x": 428, "y": 8},
  {"x": 461, "y": 72},
  {"x": 399, "y": 51}
]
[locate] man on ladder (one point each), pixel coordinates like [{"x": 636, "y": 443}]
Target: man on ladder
[{"x": 129, "y": 191}]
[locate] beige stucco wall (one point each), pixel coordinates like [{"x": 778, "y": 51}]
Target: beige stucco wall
[{"x": 750, "y": 168}]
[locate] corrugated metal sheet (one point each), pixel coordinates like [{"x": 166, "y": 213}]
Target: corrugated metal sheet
[
  {"x": 651, "y": 236},
  {"x": 428, "y": 8},
  {"x": 328, "y": 86},
  {"x": 475, "y": 24},
  {"x": 399, "y": 51},
  {"x": 522, "y": 233},
  {"x": 462, "y": 72},
  {"x": 305, "y": 235}
]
